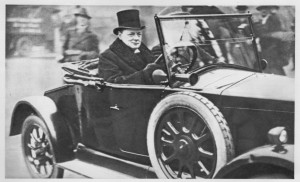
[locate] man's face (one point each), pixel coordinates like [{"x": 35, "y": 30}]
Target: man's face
[
  {"x": 82, "y": 23},
  {"x": 264, "y": 12},
  {"x": 132, "y": 38}
]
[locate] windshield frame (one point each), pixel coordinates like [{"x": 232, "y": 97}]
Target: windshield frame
[{"x": 163, "y": 44}]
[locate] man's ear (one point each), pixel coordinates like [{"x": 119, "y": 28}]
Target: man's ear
[{"x": 119, "y": 34}]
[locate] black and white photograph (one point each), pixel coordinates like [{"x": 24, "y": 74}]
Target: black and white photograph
[{"x": 149, "y": 90}]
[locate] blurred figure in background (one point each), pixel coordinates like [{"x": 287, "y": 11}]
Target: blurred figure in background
[
  {"x": 271, "y": 49},
  {"x": 80, "y": 43},
  {"x": 274, "y": 9},
  {"x": 241, "y": 9},
  {"x": 68, "y": 22}
]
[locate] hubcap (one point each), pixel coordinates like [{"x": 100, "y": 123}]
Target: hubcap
[
  {"x": 38, "y": 151},
  {"x": 184, "y": 145}
]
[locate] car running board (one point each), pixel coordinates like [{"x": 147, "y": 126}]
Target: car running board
[{"x": 104, "y": 166}]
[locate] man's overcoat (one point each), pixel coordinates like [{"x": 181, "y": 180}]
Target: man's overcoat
[
  {"x": 87, "y": 42},
  {"x": 119, "y": 64}
]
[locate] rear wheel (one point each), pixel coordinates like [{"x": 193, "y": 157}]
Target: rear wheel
[
  {"x": 38, "y": 149},
  {"x": 271, "y": 176},
  {"x": 188, "y": 137}
]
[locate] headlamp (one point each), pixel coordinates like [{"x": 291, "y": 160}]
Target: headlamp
[{"x": 278, "y": 135}]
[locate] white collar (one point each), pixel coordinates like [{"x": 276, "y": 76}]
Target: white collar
[{"x": 264, "y": 19}]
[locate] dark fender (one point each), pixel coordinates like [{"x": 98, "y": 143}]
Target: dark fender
[
  {"x": 261, "y": 160},
  {"x": 46, "y": 109}
]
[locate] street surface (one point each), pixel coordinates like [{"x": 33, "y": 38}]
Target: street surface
[{"x": 27, "y": 77}]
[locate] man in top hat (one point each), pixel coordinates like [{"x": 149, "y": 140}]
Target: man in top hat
[
  {"x": 80, "y": 43},
  {"x": 127, "y": 60}
]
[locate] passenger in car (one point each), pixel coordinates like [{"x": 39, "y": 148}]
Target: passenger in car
[{"x": 128, "y": 60}]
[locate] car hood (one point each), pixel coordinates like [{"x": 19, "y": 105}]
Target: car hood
[
  {"x": 264, "y": 86},
  {"x": 240, "y": 83},
  {"x": 216, "y": 81}
]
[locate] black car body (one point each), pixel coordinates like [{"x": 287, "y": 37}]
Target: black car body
[{"x": 204, "y": 111}]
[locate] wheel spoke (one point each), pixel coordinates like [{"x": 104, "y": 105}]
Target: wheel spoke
[
  {"x": 30, "y": 146},
  {"x": 32, "y": 141},
  {"x": 181, "y": 119},
  {"x": 34, "y": 137},
  {"x": 34, "y": 168},
  {"x": 30, "y": 159},
  {"x": 203, "y": 138},
  {"x": 203, "y": 168},
  {"x": 35, "y": 134},
  {"x": 166, "y": 142},
  {"x": 193, "y": 125},
  {"x": 43, "y": 170},
  {"x": 204, "y": 153},
  {"x": 180, "y": 170},
  {"x": 172, "y": 128},
  {"x": 166, "y": 132},
  {"x": 203, "y": 130},
  {"x": 191, "y": 169},
  {"x": 48, "y": 155},
  {"x": 41, "y": 134},
  {"x": 48, "y": 166},
  {"x": 33, "y": 153},
  {"x": 171, "y": 158},
  {"x": 38, "y": 168}
]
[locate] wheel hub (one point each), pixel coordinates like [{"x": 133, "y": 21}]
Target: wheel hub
[{"x": 186, "y": 148}]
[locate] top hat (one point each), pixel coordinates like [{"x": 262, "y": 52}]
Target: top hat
[
  {"x": 128, "y": 19},
  {"x": 266, "y": 7},
  {"x": 241, "y": 8},
  {"x": 82, "y": 12},
  {"x": 275, "y": 7}
]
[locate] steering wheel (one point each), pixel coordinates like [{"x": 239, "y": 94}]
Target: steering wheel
[{"x": 159, "y": 59}]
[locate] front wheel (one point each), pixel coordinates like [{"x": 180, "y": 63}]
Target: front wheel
[
  {"x": 188, "y": 137},
  {"x": 38, "y": 149}
]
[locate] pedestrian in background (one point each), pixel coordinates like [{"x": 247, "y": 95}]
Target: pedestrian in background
[
  {"x": 241, "y": 9},
  {"x": 270, "y": 46},
  {"x": 80, "y": 42}
]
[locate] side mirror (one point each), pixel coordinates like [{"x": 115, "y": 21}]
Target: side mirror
[{"x": 264, "y": 64}]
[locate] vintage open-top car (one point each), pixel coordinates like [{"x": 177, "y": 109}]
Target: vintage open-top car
[{"x": 212, "y": 112}]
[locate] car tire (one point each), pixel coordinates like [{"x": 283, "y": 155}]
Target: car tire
[
  {"x": 271, "y": 176},
  {"x": 38, "y": 149},
  {"x": 188, "y": 137}
]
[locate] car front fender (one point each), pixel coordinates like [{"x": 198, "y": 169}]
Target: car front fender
[
  {"x": 265, "y": 156},
  {"x": 46, "y": 109},
  {"x": 41, "y": 106}
]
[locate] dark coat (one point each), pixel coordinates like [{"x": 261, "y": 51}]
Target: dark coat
[
  {"x": 271, "y": 48},
  {"x": 119, "y": 64},
  {"x": 86, "y": 42}
]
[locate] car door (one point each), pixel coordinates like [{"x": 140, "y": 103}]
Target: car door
[
  {"x": 130, "y": 107},
  {"x": 97, "y": 131}
]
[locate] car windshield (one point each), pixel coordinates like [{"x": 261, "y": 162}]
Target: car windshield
[{"x": 193, "y": 42}]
